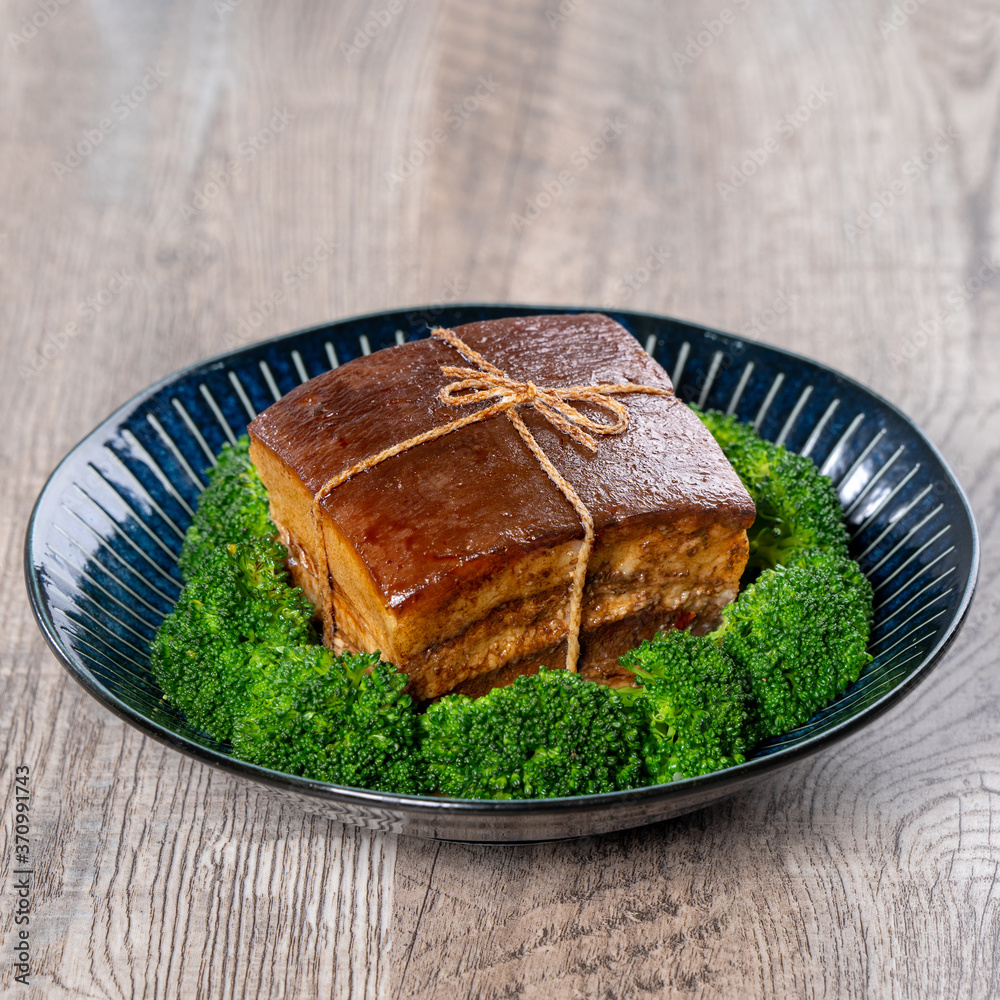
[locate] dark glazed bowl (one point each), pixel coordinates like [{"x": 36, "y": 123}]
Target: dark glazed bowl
[{"x": 102, "y": 545}]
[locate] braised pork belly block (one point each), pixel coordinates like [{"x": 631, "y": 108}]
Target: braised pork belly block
[{"x": 455, "y": 558}]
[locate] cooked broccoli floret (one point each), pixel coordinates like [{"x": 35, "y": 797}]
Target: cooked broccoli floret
[
  {"x": 794, "y": 639},
  {"x": 693, "y": 698},
  {"x": 547, "y": 735},
  {"x": 797, "y": 507},
  {"x": 238, "y": 600},
  {"x": 232, "y": 508},
  {"x": 801, "y": 633},
  {"x": 343, "y": 719}
]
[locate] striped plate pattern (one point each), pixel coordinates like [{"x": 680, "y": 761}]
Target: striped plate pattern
[{"x": 102, "y": 547}]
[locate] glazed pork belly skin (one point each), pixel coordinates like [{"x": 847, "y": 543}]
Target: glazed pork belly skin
[{"x": 454, "y": 559}]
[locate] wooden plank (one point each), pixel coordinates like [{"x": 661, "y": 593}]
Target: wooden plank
[{"x": 549, "y": 153}]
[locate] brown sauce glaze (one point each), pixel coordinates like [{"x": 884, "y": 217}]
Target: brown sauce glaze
[{"x": 444, "y": 511}]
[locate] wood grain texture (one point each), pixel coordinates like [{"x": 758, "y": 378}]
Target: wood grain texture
[{"x": 868, "y": 871}]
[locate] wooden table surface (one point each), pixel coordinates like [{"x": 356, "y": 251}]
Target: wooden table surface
[{"x": 822, "y": 176}]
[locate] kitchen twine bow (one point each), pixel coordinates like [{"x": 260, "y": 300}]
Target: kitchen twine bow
[{"x": 486, "y": 382}]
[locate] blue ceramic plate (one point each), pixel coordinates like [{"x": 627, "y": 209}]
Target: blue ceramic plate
[{"x": 101, "y": 549}]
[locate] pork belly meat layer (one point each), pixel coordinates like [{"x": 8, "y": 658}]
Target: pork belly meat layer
[{"x": 454, "y": 558}]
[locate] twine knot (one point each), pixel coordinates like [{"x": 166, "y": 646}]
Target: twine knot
[{"x": 492, "y": 385}]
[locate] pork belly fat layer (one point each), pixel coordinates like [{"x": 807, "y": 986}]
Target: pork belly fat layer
[
  {"x": 644, "y": 580},
  {"x": 353, "y": 609},
  {"x": 454, "y": 558},
  {"x": 687, "y": 582}
]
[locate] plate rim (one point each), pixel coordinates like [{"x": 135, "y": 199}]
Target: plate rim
[{"x": 350, "y": 796}]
